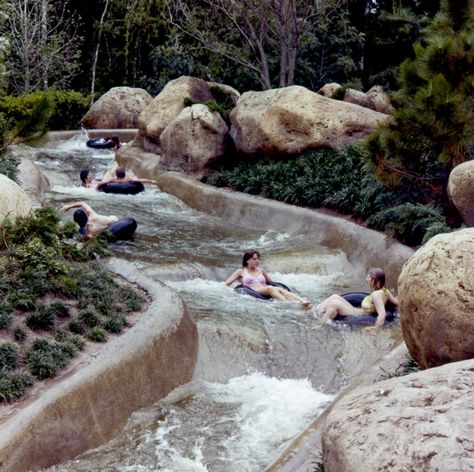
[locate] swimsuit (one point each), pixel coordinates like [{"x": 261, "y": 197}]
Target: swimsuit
[
  {"x": 249, "y": 280},
  {"x": 367, "y": 304}
]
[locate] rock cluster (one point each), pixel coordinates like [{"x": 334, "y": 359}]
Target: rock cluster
[{"x": 179, "y": 127}]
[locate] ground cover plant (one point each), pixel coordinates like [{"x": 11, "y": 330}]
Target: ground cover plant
[
  {"x": 55, "y": 297},
  {"x": 340, "y": 181}
]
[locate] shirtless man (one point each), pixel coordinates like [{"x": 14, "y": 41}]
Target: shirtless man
[
  {"x": 121, "y": 177},
  {"x": 94, "y": 224}
]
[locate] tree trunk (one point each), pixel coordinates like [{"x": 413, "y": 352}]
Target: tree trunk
[{"x": 96, "y": 52}]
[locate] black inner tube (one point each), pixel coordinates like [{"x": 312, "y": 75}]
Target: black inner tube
[
  {"x": 123, "y": 229},
  {"x": 355, "y": 299},
  {"x": 125, "y": 188},
  {"x": 244, "y": 290},
  {"x": 100, "y": 143}
]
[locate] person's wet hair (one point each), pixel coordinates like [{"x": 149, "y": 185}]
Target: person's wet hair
[
  {"x": 248, "y": 254},
  {"x": 80, "y": 217},
  {"x": 120, "y": 172},
  {"x": 378, "y": 278},
  {"x": 83, "y": 175}
]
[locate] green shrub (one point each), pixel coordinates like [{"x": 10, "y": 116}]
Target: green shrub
[
  {"x": 67, "y": 107},
  {"x": 22, "y": 300},
  {"x": 76, "y": 327},
  {"x": 115, "y": 324},
  {"x": 132, "y": 299},
  {"x": 59, "y": 309},
  {"x": 13, "y": 384},
  {"x": 20, "y": 333},
  {"x": 5, "y": 320},
  {"x": 410, "y": 223},
  {"x": 42, "y": 318},
  {"x": 88, "y": 318},
  {"x": 97, "y": 334},
  {"x": 8, "y": 356},
  {"x": 45, "y": 357}
]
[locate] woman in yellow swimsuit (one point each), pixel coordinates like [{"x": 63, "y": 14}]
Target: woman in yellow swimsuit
[
  {"x": 253, "y": 276},
  {"x": 374, "y": 303}
]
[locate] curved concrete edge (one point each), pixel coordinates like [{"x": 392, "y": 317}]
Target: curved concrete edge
[
  {"x": 364, "y": 247},
  {"x": 299, "y": 455},
  {"x": 89, "y": 407}
]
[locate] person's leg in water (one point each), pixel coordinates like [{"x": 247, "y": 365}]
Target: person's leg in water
[
  {"x": 279, "y": 293},
  {"x": 335, "y": 305}
]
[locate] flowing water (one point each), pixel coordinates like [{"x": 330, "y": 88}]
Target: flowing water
[{"x": 265, "y": 369}]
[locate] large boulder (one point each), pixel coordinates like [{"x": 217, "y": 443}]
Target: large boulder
[
  {"x": 461, "y": 190},
  {"x": 194, "y": 140},
  {"x": 118, "y": 108},
  {"x": 166, "y": 106},
  {"x": 420, "y": 422},
  {"x": 436, "y": 292},
  {"x": 32, "y": 180},
  {"x": 13, "y": 200},
  {"x": 294, "y": 119}
]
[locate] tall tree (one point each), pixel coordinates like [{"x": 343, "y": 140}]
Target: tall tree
[
  {"x": 259, "y": 35},
  {"x": 42, "y": 45},
  {"x": 433, "y": 128}
]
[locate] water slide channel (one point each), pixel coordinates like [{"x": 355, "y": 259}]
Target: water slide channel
[{"x": 265, "y": 370}]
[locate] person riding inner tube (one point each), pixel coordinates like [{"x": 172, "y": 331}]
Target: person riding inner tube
[
  {"x": 104, "y": 143},
  {"x": 92, "y": 224}
]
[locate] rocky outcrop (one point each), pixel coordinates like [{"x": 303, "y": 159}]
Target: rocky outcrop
[
  {"x": 328, "y": 90},
  {"x": 420, "y": 422},
  {"x": 118, "y": 108},
  {"x": 32, "y": 181},
  {"x": 375, "y": 99},
  {"x": 436, "y": 292},
  {"x": 294, "y": 119},
  {"x": 380, "y": 100},
  {"x": 13, "y": 200},
  {"x": 461, "y": 190},
  {"x": 165, "y": 107},
  {"x": 194, "y": 140}
]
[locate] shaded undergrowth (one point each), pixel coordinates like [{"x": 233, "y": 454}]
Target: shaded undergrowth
[{"x": 55, "y": 296}]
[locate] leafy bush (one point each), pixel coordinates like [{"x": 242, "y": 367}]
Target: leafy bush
[
  {"x": 59, "y": 309},
  {"x": 67, "y": 107},
  {"x": 8, "y": 356},
  {"x": 42, "y": 318},
  {"x": 97, "y": 334},
  {"x": 45, "y": 357},
  {"x": 115, "y": 324},
  {"x": 20, "y": 334},
  {"x": 411, "y": 223},
  {"x": 9, "y": 164},
  {"x": 14, "y": 384},
  {"x": 76, "y": 327},
  {"x": 5, "y": 319},
  {"x": 88, "y": 318}
]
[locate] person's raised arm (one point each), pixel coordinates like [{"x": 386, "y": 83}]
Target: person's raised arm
[
  {"x": 236, "y": 275},
  {"x": 392, "y": 298},
  {"x": 379, "y": 304},
  {"x": 82, "y": 205},
  {"x": 267, "y": 277}
]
